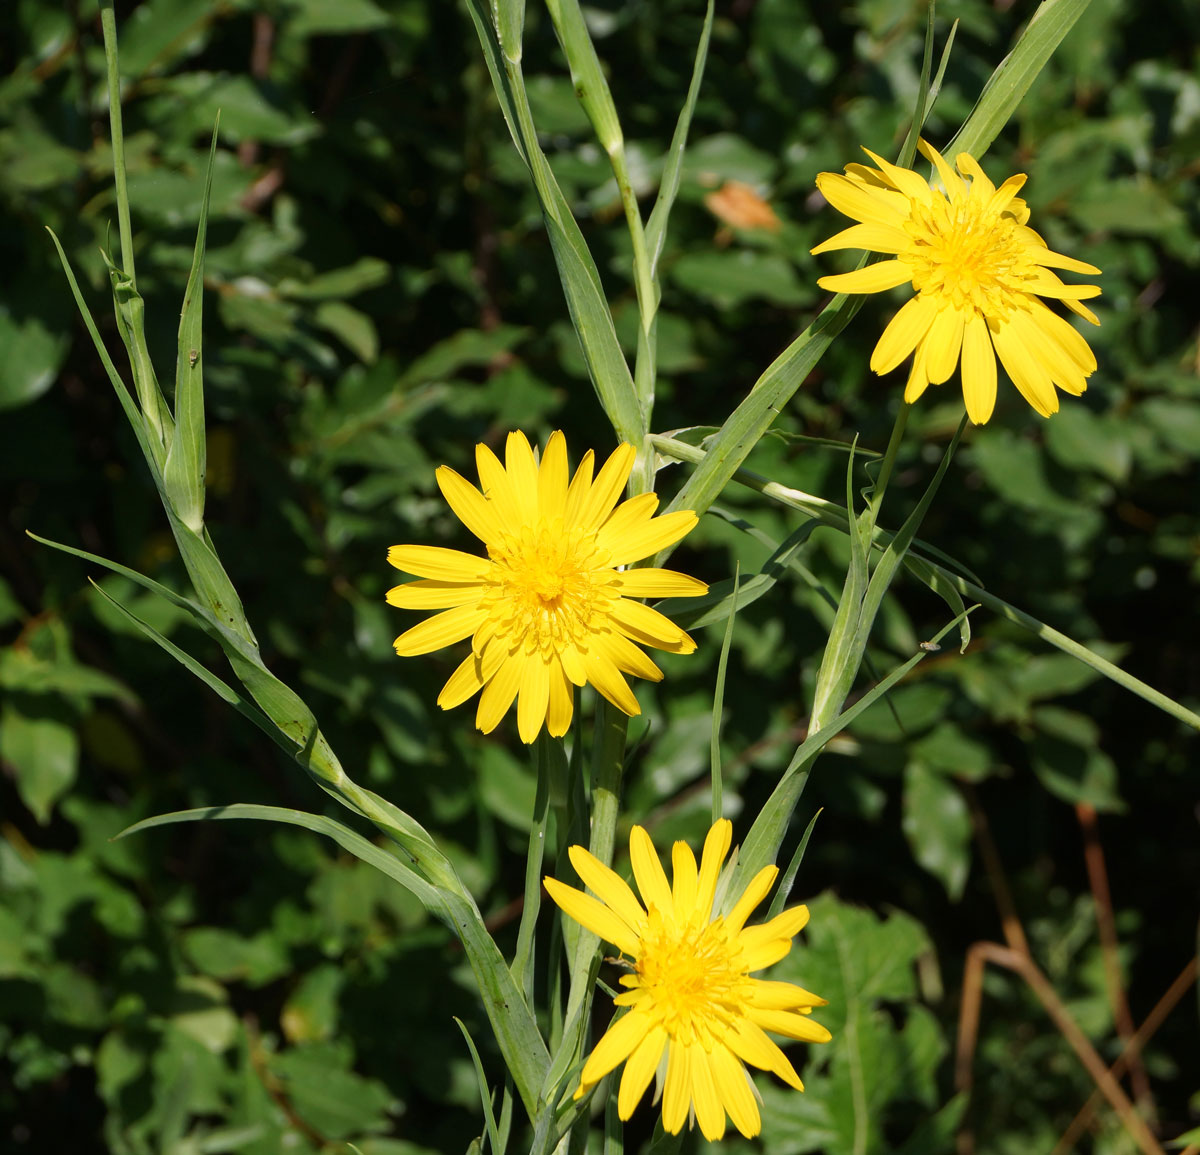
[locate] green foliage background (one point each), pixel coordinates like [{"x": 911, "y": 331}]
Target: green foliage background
[{"x": 381, "y": 296}]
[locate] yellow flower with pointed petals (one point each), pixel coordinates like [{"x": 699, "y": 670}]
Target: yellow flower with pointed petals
[
  {"x": 549, "y": 607},
  {"x": 978, "y": 271},
  {"x": 695, "y": 1015}
]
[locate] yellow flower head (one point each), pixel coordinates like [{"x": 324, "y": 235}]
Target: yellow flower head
[
  {"x": 689, "y": 992},
  {"x": 978, "y": 271},
  {"x": 548, "y": 608}
]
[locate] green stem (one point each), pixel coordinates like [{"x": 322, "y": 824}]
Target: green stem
[
  {"x": 643, "y": 278},
  {"x": 834, "y": 515},
  {"x": 108, "y": 25},
  {"x": 522, "y": 967},
  {"x": 889, "y": 461}
]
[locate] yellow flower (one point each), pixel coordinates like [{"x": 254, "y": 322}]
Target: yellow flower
[
  {"x": 548, "y": 608},
  {"x": 689, "y": 992},
  {"x": 978, "y": 271}
]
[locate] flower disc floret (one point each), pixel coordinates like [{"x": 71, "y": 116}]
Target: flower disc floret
[
  {"x": 979, "y": 274},
  {"x": 549, "y": 607},
  {"x": 695, "y": 1014}
]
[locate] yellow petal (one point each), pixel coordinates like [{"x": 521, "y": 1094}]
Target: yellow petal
[
  {"x": 647, "y": 626},
  {"x": 464, "y": 683},
  {"x": 497, "y": 488},
  {"x": 677, "y": 1094},
  {"x": 607, "y": 487},
  {"x": 685, "y": 876},
  {"x": 760, "y": 886},
  {"x": 749, "y": 1042},
  {"x": 442, "y": 629},
  {"x": 1030, "y": 378},
  {"x": 1044, "y": 283},
  {"x": 1082, "y": 311},
  {"x": 522, "y": 474},
  {"x": 918, "y": 376},
  {"x": 534, "y": 700},
  {"x": 433, "y": 595},
  {"x": 630, "y": 514},
  {"x": 603, "y": 674},
  {"x": 710, "y": 1112},
  {"x": 639, "y": 1070},
  {"x": 733, "y": 1085},
  {"x": 791, "y": 1025},
  {"x": 875, "y": 237},
  {"x": 572, "y": 664},
  {"x": 716, "y": 847},
  {"x": 943, "y": 344},
  {"x": 1063, "y": 333},
  {"x": 978, "y": 371},
  {"x": 626, "y": 656},
  {"x": 649, "y": 874},
  {"x": 611, "y": 888},
  {"x": 782, "y": 996},
  {"x": 615, "y": 1046},
  {"x": 853, "y": 199},
  {"x": 499, "y": 693},
  {"x": 469, "y": 505},
  {"x": 1053, "y": 260},
  {"x": 578, "y": 490},
  {"x": 593, "y": 914},
  {"x": 911, "y": 184},
  {"x": 432, "y": 561},
  {"x": 904, "y": 332},
  {"x": 552, "y": 478},
  {"x": 647, "y": 538},
  {"x": 764, "y": 950},
  {"x": 951, "y": 181},
  {"x": 786, "y": 924},
  {"x": 562, "y": 702},
  {"x": 1006, "y": 192},
  {"x": 981, "y": 185},
  {"x": 869, "y": 279},
  {"x": 658, "y": 583}
]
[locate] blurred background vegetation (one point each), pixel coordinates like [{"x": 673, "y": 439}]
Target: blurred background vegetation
[{"x": 380, "y": 296}]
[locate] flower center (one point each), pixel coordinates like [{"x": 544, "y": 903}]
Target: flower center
[
  {"x": 549, "y": 586},
  {"x": 967, "y": 253},
  {"x": 690, "y": 978}
]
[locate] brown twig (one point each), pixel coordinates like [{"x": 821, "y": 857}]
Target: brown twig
[
  {"x": 1014, "y": 933},
  {"x": 1182, "y": 984},
  {"x": 260, "y": 66},
  {"x": 1093, "y": 854},
  {"x": 273, "y": 1085},
  {"x": 1014, "y": 960}
]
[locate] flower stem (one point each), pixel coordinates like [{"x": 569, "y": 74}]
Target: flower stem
[{"x": 544, "y": 756}]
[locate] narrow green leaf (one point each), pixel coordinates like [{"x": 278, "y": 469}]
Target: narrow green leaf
[
  {"x": 719, "y": 701},
  {"x": 754, "y": 416},
  {"x": 586, "y": 300},
  {"x": 509, "y": 22},
  {"x": 668, "y": 188},
  {"x": 485, "y": 1096},
  {"x": 222, "y": 689},
  {"x": 591, "y": 86},
  {"x": 546, "y": 750},
  {"x": 843, "y": 655},
  {"x": 897, "y": 548},
  {"x": 130, "y": 312},
  {"x": 521, "y": 1044},
  {"x": 1016, "y": 73},
  {"x": 762, "y": 843},
  {"x": 186, "y": 458},
  {"x": 830, "y": 513},
  {"x": 132, "y": 413},
  {"x": 788, "y": 879}
]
